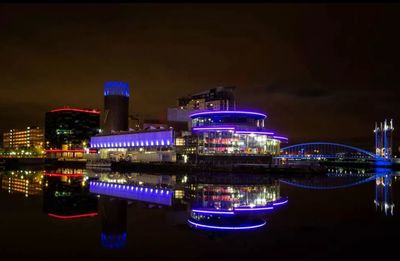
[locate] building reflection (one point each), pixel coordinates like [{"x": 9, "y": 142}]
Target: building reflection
[
  {"x": 66, "y": 195},
  {"x": 204, "y": 205},
  {"x": 383, "y": 191},
  {"x": 113, "y": 213},
  {"x": 25, "y": 182},
  {"x": 233, "y": 196}
]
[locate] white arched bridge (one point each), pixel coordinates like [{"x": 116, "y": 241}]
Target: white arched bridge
[{"x": 326, "y": 151}]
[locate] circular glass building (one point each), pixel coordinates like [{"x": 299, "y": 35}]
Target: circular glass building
[{"x": 234, "y": 132}]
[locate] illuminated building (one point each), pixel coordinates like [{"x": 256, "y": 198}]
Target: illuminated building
[
  {"x": 22, "y": 181},
  {"x": 220, "y": 98},
  {"x": 234, "y": 133},
  {"x": 147, "y": 146},
  {"x": 116, "y": 106},
  {"x": 384, "y": 139},
  {"x": 23, "y": 138},
  {"x": 71, "y": 128}
]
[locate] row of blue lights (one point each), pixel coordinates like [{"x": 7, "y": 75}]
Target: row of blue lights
[
  {"x": 148, "y": 194},
  {"x": 139, "y": 139},
  {"x": 116, "y": 88}
]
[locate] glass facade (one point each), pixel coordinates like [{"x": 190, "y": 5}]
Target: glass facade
[
  {"x": 234, "y": 132},
  {"x": 71, "y": 127},
  {"x": 228, "y": 142}
]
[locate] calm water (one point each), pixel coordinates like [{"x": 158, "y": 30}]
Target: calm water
[{"x": 68, "y": 214}]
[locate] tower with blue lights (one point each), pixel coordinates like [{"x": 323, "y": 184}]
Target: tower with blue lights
[{"x": 116, "y": 106}]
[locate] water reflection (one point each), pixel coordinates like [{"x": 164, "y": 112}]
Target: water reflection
[
  {"x": 66, "y": 195},
  {"x": 227, "y": 206},
  {"x": 208, "y": 202},
  {"x": 25, "y": 182},
  {"x": 340, "y": 178},
  {"x": 113, "y": 214}
]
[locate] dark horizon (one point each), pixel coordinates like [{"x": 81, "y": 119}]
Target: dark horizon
[{"x": 320, "y": 72}]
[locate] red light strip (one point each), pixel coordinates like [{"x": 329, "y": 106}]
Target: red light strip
[
  {"x": 78, "y": 110},
  {"x": 73, "y": 216},
  {"x": 62, "y": 175},
  {"x": 65, "y": 150}
]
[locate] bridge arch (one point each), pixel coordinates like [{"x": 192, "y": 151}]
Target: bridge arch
[{"x": 326, "y": 150}]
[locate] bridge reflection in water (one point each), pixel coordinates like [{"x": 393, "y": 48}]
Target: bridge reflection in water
[{"x": 383, "y": 178}]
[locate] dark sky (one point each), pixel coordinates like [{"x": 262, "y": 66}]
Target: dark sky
[{"x": 321, "y": 72}]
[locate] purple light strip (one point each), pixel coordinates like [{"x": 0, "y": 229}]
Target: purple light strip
[
  {"x": 254, "y": 209},
  {"x": 280, "y": 138},
  {"x": 255, "y": 132},
  {"x": 280, "y": 203},
  {"x": 212, "y": 128},
  {"x": 213, "y": 212},
  {"x": 227, "y": 112},
  {"x": 227, "y": 228}
]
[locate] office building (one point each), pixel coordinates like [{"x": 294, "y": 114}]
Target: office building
[
  {"x": 23, "y": 138},
  {"x": 71, "y": 128}
]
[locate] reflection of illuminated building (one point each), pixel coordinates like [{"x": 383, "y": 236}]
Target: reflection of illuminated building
[
  {"x": 383, "y": 194},
  {"x": 155, "y": 195},
  {"x": 23, "y": 181},
  {"x": 233, "y": 196},
  {"x": 223, "y": 221},
  {"x": 113, "y": 213},
  {"x": 67, "y": 196}
]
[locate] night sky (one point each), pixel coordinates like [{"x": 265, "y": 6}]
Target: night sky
[{"x": 320, "y": 72}]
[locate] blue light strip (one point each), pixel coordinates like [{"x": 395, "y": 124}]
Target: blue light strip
[
  {"x": 146, "y": 194},
  {"x": 155, "y": 139},
  {"x": 212, "y": 128},
  {"x": 255, "y": 132},
  {"x": 198, "y": 114},
  {"x": 213, "y": 212},
  {"x": 280, "y": 138},
  {"x": 227, "y": 228},
  {"x": 280, "y": 203},
  {"x": 254, "y": 208}
]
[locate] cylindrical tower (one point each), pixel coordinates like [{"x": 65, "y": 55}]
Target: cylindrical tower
[{"x": 116, "y": 106}]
